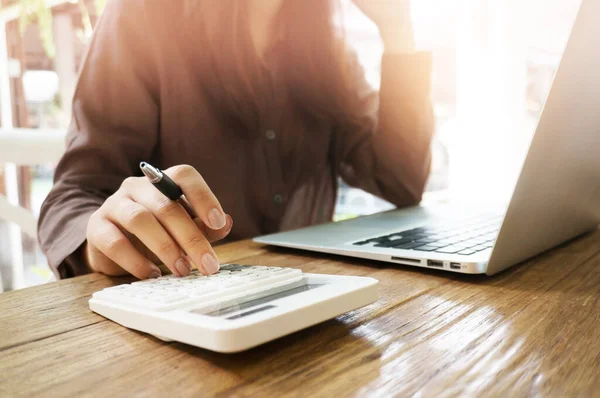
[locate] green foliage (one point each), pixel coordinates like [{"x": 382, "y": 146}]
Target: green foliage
[{"x": 35, "y": 10}]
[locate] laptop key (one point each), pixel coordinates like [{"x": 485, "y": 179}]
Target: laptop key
[
  {"x": 447, "y": 241},
  {"x": 421, "y": 235},
  {"x": 425, "y": 240},
  {"x": 364, "y": 242},
  {"x": 396, "y": 236},
  {"x": 426, "y": 248},
  {"x": 464, "y": 245},
  {"x": 450, "y": 249},
  {"x": 379, "y": 240},
  {"x": 467, "y": 252},
  {"x": 462, "y": 231},
  {"x": 478, "y": 240},
  {"x": 394, "y": 243},
  {"x": 408, "y": 246}
]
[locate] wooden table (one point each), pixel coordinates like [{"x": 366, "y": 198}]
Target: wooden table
[{"x": 532, "y": 330}]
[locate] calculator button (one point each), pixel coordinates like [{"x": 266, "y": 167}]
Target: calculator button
[
  {"x": 200, "y": 291},
  {"x": 204, "y": 297},
  {"x": 232, "y": 267},
  {"x": 254, "y": 276},
  {"x": 220, "y": 276},
  {"x": 170, "y": 292},
  {"x": 116, "y": 288},
  {"x": 142, "y": 282}
]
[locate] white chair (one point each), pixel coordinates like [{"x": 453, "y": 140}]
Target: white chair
[{"x": 24, "y": 147}]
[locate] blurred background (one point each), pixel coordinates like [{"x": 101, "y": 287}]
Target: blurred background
[{"x": 494, "y": 61}]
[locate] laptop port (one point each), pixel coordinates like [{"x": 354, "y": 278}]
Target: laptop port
[
  {"x": 434, "y": 263},
  {"x": 407, "y": 260},
  {"x": 455, "y": 266}
]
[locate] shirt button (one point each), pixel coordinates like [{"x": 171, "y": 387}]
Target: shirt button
[
  {"x": 278, "y": 199},
  {"x": 270, "y": 134}
]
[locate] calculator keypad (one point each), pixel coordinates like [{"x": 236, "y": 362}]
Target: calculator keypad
[{"x": 170, "y": 292}]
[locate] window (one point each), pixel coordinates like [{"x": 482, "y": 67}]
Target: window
[{"x": 493, "y": 64}]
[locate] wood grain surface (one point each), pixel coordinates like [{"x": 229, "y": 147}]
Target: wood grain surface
[{"x": 533, "y": 330}]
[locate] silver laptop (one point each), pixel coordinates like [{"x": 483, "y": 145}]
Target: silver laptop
[{"x": 556, "y": 198}]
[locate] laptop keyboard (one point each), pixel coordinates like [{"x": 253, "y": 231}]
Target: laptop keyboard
[{"x": 464, "y": 238}]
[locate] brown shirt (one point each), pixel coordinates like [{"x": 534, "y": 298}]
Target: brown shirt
[{"x": 134, "y": 102}]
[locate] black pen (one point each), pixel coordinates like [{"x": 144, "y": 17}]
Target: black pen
[{"x": 167, "y": 186}]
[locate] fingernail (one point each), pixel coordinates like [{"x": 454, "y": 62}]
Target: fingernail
[
  {"x": 216, "y": 219},
  {"x": 155, "y": 274},
  {"x": 183, "y": 266},
  {"x": 211, "y": 265}
]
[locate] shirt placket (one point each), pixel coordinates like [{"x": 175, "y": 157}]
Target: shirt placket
[{"x": 271, "y": 135}]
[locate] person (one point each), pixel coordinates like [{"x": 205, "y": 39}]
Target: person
[{"x": 254, "y": 108}]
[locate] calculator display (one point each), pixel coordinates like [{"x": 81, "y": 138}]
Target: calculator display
[{"x": 231, "y": 307}]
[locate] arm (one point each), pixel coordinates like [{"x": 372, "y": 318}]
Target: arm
[
  {"x": 115, "y": 122},
  {"x": 99, "y": 217},
  {"x": 391, "y": 157}
]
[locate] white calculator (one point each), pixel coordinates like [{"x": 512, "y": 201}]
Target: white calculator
[{"x": 238, "y": 308}]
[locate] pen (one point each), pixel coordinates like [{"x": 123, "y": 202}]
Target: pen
[{"x": 167, "y": 186}]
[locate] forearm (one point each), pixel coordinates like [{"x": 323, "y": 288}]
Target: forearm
[
  {"x": 393, "y": 159},
  {"x": 398, "y": 38},
  {"x": 402, "y": 154}
]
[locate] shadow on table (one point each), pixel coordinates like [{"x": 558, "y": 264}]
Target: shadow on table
[{"x": 307, "y": 350}]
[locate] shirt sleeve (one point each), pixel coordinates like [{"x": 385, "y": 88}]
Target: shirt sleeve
[
  {"x": 114, "y": 127},
  {"x": 390, "y": 155}
]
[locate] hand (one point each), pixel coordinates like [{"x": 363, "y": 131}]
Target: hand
[
  {"x": 385, "y": 13},
  {"x": 392, "y": 17},
  {"x": 138, "y": 225}
]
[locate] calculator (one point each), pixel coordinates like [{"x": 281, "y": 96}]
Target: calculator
[{"x": 236, "y": 309}]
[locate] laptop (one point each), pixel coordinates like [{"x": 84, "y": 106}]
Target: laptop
[{"x": 556, "y": 197}]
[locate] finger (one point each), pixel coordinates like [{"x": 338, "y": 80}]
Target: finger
[
  {"x": 188, "y": 207},
  {"x": 98, "y": 262},
  {"x": 198, "y": 193},
  {"x": 140, "y": 221},
  {"x": 142, "y": 248},
  {"x": 180, "y": 226},
  {"x": 111, "y": 241},
  {"x": 94, "y": 258},
  {"x": 212, "y": 235}
]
